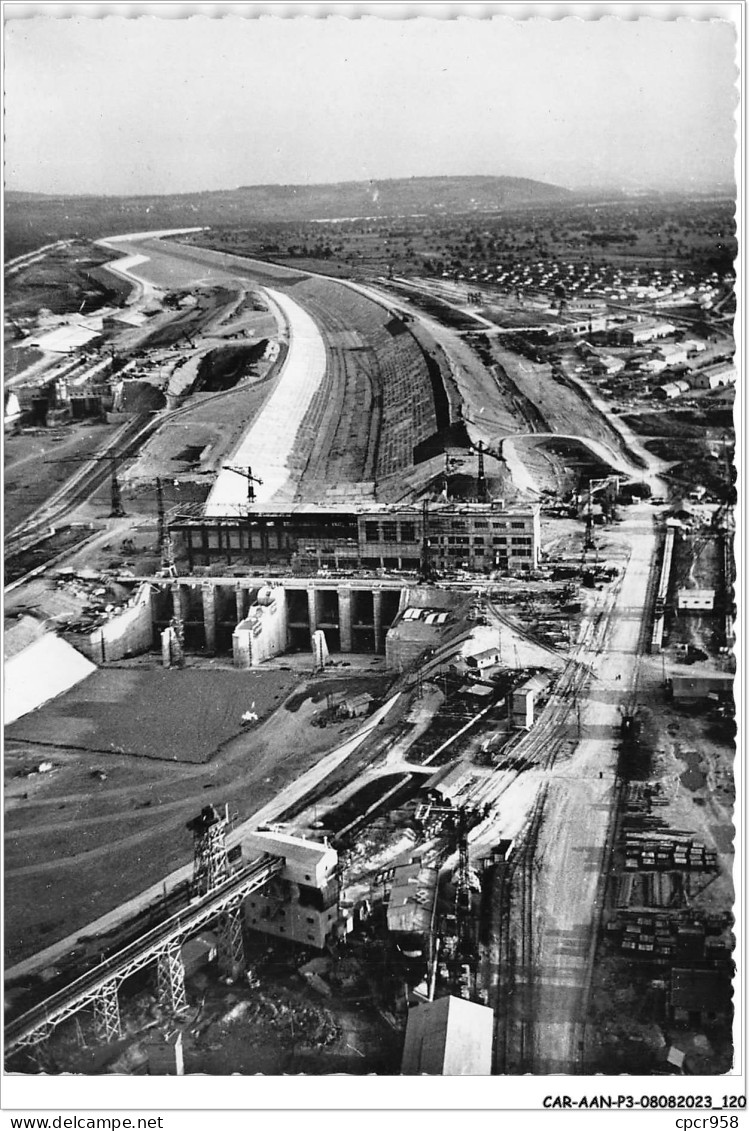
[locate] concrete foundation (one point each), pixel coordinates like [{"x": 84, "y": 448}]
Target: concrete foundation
[
  {"x": 253, "y": 621},
  {"x": 262, "y": 634},
  {"x": 130, "y": 633}
]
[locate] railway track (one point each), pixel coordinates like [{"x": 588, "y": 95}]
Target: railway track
[
  {"x": 82, "y": 484},
  {"x": 513, "y": 1009},
  {"x": 38, "y": 1022},
  {"x": 89, "y": 477}
]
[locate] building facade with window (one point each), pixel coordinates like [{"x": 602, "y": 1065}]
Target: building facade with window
[
  {"x": 301, "y": 903},
  {"x": 480, "y": 537}
]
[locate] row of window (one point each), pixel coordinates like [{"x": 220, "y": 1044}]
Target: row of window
[
  {"x": 479, "y": 552},
  {"x": 478, "y": 524},
  {"x": 389, "y": 532},
  {"x": 406, "y": 531},
  {"x": 498, "y": 540},
  {"x": 281, "y": 913}
]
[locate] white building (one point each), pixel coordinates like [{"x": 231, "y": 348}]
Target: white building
[
  {"x": 301, "y": 903},
  {"x": 448, "y": 1037},
  {"x": 695, "y": 599},
  {"x": 713, "y": 377}
]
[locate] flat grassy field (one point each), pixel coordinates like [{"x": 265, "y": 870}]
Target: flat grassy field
[
  {"x": 180, "y": 716},
  {"x": 102, "y": 825}
]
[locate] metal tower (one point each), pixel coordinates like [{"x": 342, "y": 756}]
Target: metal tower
[
  {"x": 166, "y": 544},
  {"x": 426, "y": 562},
  {"x": 210, "y": 859},
  {"x": 482, "y": 491},
  {"x": 210, "y": 870}
]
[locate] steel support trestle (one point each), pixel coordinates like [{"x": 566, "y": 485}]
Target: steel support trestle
[
  {"x": 170, "y": 977},
  {"x": 107, "y": 1013},
  {"x": 231, "y": 957}
]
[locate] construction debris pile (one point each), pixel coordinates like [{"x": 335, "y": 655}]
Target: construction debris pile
[{"x": 101, "y": 599}]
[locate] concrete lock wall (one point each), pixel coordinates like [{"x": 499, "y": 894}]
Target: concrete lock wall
[
  {"x": 261, "y": 635},
  {"x": 128, "y": 634},
  {"x": 230, "y": 616}
]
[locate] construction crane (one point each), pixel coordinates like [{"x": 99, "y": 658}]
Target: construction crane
[
  {"x": 425, "y": 571},
  {"x": 481, "y": 477},
  {"x": 117, "y": 510},
  {"x": 166, "y": 544},
  {"x": 246, "y": 473},
  {"x": 594, "y": 486},
  {"x": 462, "y": 818}
]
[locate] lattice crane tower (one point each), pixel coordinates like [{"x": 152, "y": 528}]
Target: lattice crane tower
[
  {"x": 210, "y": 857},
  {"x": 210, "y": 869}
]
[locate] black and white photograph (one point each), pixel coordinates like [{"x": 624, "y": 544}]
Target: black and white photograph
[{"x": 371, "y": 479}]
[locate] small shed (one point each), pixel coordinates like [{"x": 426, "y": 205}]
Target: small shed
[
  {"x": 700, "y": 686},
  {"x": 448, "y": 1037},
  {"x": 695, "y": 599},
  {"x": 355, "y": 706},
  {"x": 165, "y": 1057},
  {"x": 683, "y": 510},
  {"x": 481, "y": 660},
  {"x": 671, "y": 390},
  {"x": 448, "y": 783},
  {"x": 523, "y": 701}
]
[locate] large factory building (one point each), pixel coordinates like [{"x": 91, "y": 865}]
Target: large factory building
[{"x": 480, "y": 537}]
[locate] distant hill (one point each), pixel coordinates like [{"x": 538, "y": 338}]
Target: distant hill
[
  {"x": 32, "y": 219},
  {"x": 402, "y": 196}
]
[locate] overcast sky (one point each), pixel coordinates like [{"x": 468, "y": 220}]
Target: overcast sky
[{"x": 156, "y": 105}]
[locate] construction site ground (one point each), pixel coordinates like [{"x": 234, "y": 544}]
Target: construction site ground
[
  {"x": 74, "y": 851},
  {"x": 67, "y": 280},
  {"x": 688, "y": 753},
  {"x": 275, "y": 1021},
  {"x": 692, "y": 762},
  {"x": 201, "y": 436},
  {"x": 31, "y": 475},
  {"x": 100, "y": 826}
]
